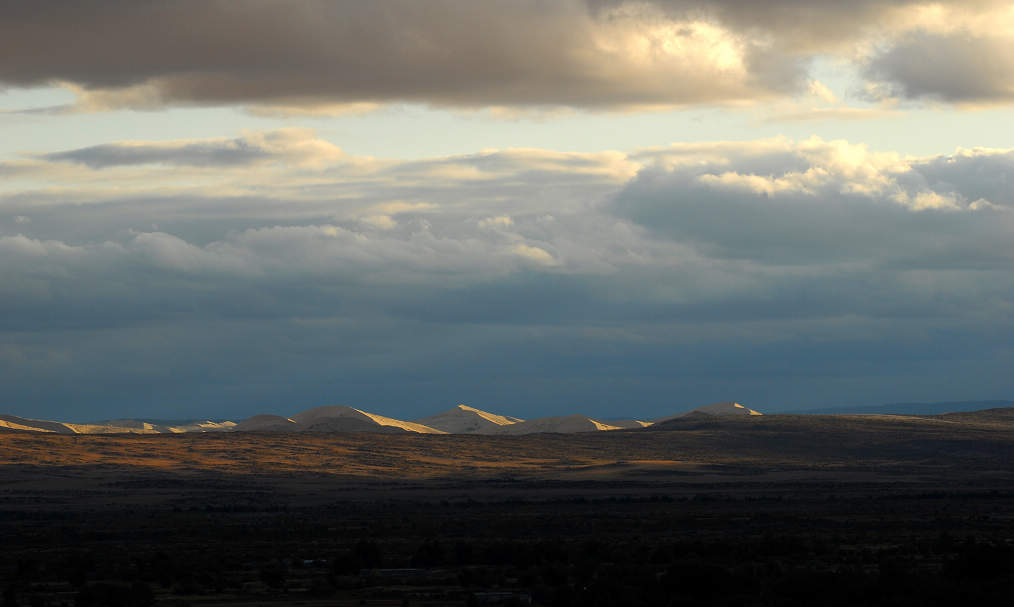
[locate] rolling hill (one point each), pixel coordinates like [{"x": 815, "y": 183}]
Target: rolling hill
[
  {"x": 341, "y": 418},
  {"x": 935, "y": 408},
  {"x": 567, "y": 424},
  {"x": 714, "y": 409},
  {"x": 463, "y": 419},
  {"x": 114, "y": 426}
]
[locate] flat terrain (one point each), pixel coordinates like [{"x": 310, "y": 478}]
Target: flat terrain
[{"x": 773, "y": 510}]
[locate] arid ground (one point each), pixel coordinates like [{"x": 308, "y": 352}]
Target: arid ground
[{"x": 779, "y": 510}]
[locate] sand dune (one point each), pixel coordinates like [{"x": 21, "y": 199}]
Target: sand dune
[{"x": 467, "y": 420}]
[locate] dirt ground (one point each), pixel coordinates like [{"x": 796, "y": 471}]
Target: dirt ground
[{"x": 788, "y": 511}]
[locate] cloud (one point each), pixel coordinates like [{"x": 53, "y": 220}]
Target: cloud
[
  {"x": 833, "y": 202},
  {"x": 383, "y": 222},
  {"x": 335, "y": 57},
  {"x": 955, "y": 67},
  {"x": 824, "y": 114},
  {"x": 319, "y": 55},
  {"x": 535, "y": 279},
  {"x": 820, "y": 90},
  {"x": 976, "y": 174},
  {"x": 293, "y": 145}
]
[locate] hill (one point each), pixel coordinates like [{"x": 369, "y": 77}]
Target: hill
[
  {"x": 935, "y": 408},
  {"x": 721, "y": 409},
  {"x": 339, "y": 416},
  {"x": 463, "y": 419},
  {"x": 567, "y": 424},
  {"x": 114, "y": 426},
  {"x": 1001, "y": 416},
  {"x": 626, "y": 423},
  {"x": 266, "y": 423},
  {"x": 13, "y": 422}
]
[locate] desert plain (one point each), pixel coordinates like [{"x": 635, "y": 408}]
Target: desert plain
[{"x": 766, "y": 510}]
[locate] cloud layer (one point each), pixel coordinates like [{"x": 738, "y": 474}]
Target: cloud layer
[
  {"x": 335, "y": 56},
  {"x": 273, "y": 271}
]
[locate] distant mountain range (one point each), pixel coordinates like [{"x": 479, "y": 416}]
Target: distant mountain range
[{"x": 461, "y": 419}]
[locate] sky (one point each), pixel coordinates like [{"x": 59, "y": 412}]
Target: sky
[{"x": 619, "y": 208}]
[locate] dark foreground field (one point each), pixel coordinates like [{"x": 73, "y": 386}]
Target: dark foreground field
[{"x": 779, "y": 510}]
